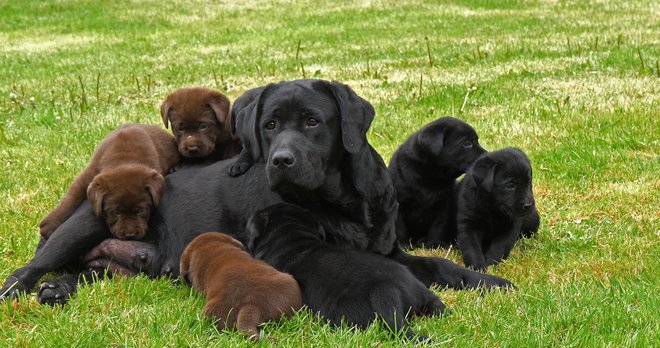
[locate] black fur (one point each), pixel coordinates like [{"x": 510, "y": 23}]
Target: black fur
[
  {"x": 336, "y": 174},
  {"x": 339, "y": 283},
  {"x": 493, "y": 199},
  {"x": 424, "y": 170}
]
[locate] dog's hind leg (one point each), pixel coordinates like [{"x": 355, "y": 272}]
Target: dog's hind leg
[{"x": 249, "y": 318}]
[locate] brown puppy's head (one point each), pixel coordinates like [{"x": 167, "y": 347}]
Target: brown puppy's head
[
  {"x": 124, "y": 197},
  {"x": 200, "y": 120},
  {"x": 203, "y": 252}
]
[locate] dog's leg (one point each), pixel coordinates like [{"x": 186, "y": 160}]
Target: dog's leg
[
  {"x": 441, "y": 232},
  {"x": 249, "y": 318},
  {"x": 435, "y": 270},
  {"x": 126, "y": 256},
  {"x": 242, "y": 164},
  {"x": 68, "y": 204},
  {"x": 501, "y": 247},
  {"x": 77, "y": 235},
  {"x": 469, "y": 242}
]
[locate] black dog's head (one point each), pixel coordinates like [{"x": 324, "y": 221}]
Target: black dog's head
[
  {"x": 299, "y": 128},
  {"x": 507, "y": 176},
  {"x": 280, "y": 222},
  {"x": 449, "y": 143}
]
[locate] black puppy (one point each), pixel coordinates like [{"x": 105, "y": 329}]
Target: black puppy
[
  {"x": 424, "y": 170},
  {"x": 494, "y": 199},
  {"x": 338, "y": 282}
]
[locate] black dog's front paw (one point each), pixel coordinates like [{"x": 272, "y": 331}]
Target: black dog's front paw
[
  {"x": 58, "y": 290},
  {"x": 240, "y": 167},
  {"x": 476, "y": 280}
]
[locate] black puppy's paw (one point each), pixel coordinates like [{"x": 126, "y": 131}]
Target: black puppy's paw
[
  {"x": 12, "y": 289},
  {"x": 240, "y": 167},
  {"x": 58, "y": 290},
  {"x": 488, "y": 282}
]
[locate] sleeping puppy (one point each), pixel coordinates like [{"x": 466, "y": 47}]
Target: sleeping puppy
[
  {"x": 240, "y": 291},
  {"x": 424, "y": 170},
  {"x": 200, "y": 123},
  {"x": 493, "y": 200},
  {"x": 123, "y": 182},
  {"x": 338, "y": 282}
]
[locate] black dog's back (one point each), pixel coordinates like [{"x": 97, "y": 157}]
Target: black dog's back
[{"x": 339, "y": 283}]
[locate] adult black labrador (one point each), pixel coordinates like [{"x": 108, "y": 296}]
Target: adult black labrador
[{"x": 308, "y": 139}]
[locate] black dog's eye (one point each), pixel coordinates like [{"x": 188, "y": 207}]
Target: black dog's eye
[
  {"x": 312, "y": 122},
  {"x": 510, "y": 185},
  {"x": 203, "y": 126},
  {"x": 270, "y": 125},
  {"x": 467, "y": 144}
]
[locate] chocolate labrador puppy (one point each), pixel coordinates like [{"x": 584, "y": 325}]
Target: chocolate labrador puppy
[
  {"x": 123, "y": 182},
  {"x": 308, "y": 141},
  {"x": 424, "y": 170},
  {"x": 494, "y": 199},
  {"x": 339, "y": 283},
  {"x": 240, "y": 291},
  {"x": 201, "y": 123}
]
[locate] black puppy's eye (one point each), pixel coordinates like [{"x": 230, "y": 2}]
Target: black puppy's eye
[
  {"x": 203, "y": 126},
  {"x": 312, "y": 122},
  {"x": 468, "y": 144},
  {"x": 270, "y": 125},
  {"x": 510, "y": 186}
]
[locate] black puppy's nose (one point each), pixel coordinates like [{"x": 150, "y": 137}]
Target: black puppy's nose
[
  {"x": 283, "y": 159},
  {"x": 526, "y": 206}
]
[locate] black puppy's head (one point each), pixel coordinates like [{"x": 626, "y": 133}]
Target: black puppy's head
[
  {"x": 449, "y": 143},
  {"x": 302, "y": 128},
  {"x": 506, "y": 175},
  {"x": 280, "y": 222}
]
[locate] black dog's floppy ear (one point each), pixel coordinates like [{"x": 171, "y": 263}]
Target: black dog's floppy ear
[
  {"x": 356, "y": 116},
  {"x": 432, "y": 140},
  {"x": 246, "y": 122},
  {"x": 483, "y": 172}
]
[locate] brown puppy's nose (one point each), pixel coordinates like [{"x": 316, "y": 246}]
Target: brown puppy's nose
[{"x": 283, "y": 159}]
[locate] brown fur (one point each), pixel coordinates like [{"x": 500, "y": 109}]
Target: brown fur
[
  {"x": 123, "y": 181},
  {"x": 240, "y": 291},
  {"x": 201, "y": 123}
]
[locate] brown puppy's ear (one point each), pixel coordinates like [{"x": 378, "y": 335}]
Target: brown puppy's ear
[
  {"x": 219, "y": 103},
  {"x": 96, "y": 192},
  {"x": 356, "y": 116},
  {"x": 237, "y": 244},
  {"x": 483, "y": 172},
  {"x": 432, "y": 141},
  {"x": 155, "y": 184},
  {"x": 165, "y": 109}
]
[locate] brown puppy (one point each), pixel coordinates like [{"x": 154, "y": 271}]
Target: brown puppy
[
  {"x": 201, "y": 123},
  {"x": 240, "y": 291},
  {"x": 123, "y": 181}
]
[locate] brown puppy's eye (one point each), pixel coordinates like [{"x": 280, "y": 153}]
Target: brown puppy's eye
[
  {"x": 203, "y": 126},
  {"x": 270, "y": 125},
  {"x": 312, "y": 122},
  {"x": 179, "y": 128}
]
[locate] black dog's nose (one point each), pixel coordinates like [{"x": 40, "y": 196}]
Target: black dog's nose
[
  {"x": 527, "y": 206},
  {"x": 283, "y": 159}
]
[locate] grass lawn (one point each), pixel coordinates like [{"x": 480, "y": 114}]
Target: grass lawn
[{"x": 575, "y": 84}]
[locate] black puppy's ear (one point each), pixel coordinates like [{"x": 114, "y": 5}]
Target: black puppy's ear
[
  {"x": 483, "y": 172},
  {"x": 432, "y": 141},
  {"x": 254, "y": 227},
  {"x": 246, "y": 122},
  {"x": 356, "y": 116}
]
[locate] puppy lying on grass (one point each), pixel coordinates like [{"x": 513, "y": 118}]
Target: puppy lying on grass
[
  {"x": 337, "y": 282},
  {"x": 200, "y": 123},
  {"x": 240, "y": 291},
  {"x": 123, "y": 181},
  {"x": 424, "y": 170},
  {"x": 495, "y": 206}
]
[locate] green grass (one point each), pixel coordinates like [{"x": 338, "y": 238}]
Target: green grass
[{"x": 575, "y": 84}]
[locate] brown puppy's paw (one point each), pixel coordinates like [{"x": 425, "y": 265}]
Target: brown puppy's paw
[{"x": 48, "y": 226}]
